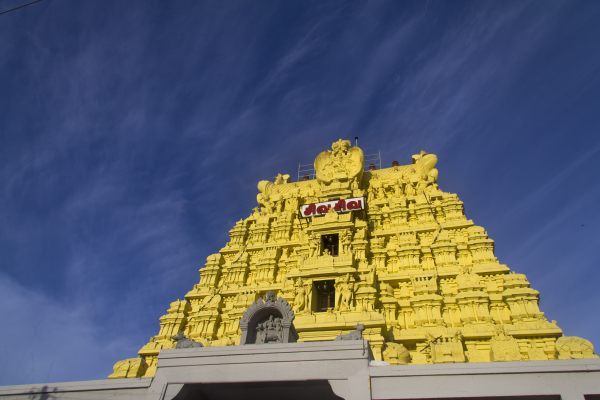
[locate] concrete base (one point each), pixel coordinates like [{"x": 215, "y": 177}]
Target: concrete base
[
  {"x": 325, "y": 370},
  {"x": 565, "y": 379}
]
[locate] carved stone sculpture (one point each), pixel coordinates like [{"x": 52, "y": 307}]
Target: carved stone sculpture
[
  {"x": 396, "y": 353},
  {"x": 504, "y": 348},
  {"x": 181, "y": 342},
  {"x": 574, "y": 347},
  {"x": 299, "y": 301},
  {"x": 339, "y": 169},
  {"x": 353, "y": 335},
  {"x": 269, "y": 331},
  {"x": 129, "y": 368},
  {"x": 446, "y": 348},
  {"x": 268, "y": 320},
  {"x": 425, "y": 167}
]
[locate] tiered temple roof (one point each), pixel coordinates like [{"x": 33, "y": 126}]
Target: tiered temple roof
[{"x": 385, "y": 248}]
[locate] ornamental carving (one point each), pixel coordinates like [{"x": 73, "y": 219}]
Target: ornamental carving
[
  {"x": 340, "y": 169},
  {"x": 129, "y": 368},
  {"x": 396, "y": 353},
  {"x": 504, "y": 347},
  {"x": 268, "y": 320},
  {"x": 574, "y": 347},
  {"x": 446, "y": 348}
]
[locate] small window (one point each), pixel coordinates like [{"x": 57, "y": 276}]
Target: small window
[
  {"x": 325, "y": 295},
  {"x": 330, "y": 244}
]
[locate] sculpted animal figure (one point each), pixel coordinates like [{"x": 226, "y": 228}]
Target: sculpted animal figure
[
  {"x": 353, "y": 335},
  {"x": 184, "y": 343}
]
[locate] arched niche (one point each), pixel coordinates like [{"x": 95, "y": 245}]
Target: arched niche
[{"x": 268, "y": 320}]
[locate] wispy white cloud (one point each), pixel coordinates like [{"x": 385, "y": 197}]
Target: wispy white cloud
[
  {"x": 553, "y": 183},
  {"x": 47, "y": 341},
  {"x": 150, "y": 132}
]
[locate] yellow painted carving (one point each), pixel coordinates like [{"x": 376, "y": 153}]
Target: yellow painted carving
[
  {"x": 420, "y": 276},
  {"x": 570, "y": 347},
  {"x": 129, "y": 368}
]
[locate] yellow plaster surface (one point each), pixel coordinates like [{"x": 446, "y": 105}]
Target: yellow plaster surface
[{"x": 420, "y": 276}]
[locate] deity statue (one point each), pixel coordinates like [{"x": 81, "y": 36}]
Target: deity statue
[
  {"x": 299, "y": 300},
  {"x": 281, "y": 179},
  {"x": 257, "y": 328},
  {"x": 292, "y": 204},
  {"x": 346, "y": 240},
  {"x": 371, "y": 191},
  {"x": 504, "y": 347},
  {"x": 269, "y": 331},
  {"x": 345, "y": 294},
  {"x": 339, "y": 169},
  {"x": 313, "y": 243},
  {"x": 409, "y": 188},
  {"x": 307, "y": 294},
  {"x": 346, "y": 297}
]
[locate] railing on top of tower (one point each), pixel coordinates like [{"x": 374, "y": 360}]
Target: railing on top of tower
[{"x": 307, "y": 171}]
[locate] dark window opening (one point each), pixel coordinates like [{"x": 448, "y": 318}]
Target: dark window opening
[
  {"x": 330, "y": 244},
  {"x": 325, "y": 295}
]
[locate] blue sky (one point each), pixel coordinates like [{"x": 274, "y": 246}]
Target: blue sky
[{"x": 133, "y": 134}]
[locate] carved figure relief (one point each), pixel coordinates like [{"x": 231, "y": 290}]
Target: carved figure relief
[
  {"x": 504, "y": 347},
  {"x": 346, "y": 240},
  {"x": 339, "y": 168},
  {"x": 446, "y": 348},
  {"x": 300, "y": 298},
  {"x": 574, "y": 347},
  {"x": 345, "y": 294},
  {"x": 269, "y": 331},
  {"x": 129, "y": 368},
  {"x": 268, "y": 320}
]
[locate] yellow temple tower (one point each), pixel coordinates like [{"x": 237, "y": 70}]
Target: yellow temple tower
[{"x": 385, "y": 248}]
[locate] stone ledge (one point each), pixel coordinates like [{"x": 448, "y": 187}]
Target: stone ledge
[
  {"x": 80, "y": 386},
  {"x": 272, "y": 348},
  {"x": 279, "y": 355},
  {"x": 486, "y": 368}
]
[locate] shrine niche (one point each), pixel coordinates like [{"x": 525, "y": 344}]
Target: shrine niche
[{"x": 268, "y": 320}]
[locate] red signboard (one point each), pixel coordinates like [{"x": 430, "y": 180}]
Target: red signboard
[{"x": 340, "y": 206}]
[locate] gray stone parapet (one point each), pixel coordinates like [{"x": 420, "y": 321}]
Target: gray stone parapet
[
  {"x": 134, "y": 388},
  {"x": 325, "y": 370},
  {"x": 569, "y": 379}
]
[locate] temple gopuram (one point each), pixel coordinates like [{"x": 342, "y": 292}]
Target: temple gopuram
[
  {"x": 352, "y": 283},
  {"x": 386, "y": 249}
]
